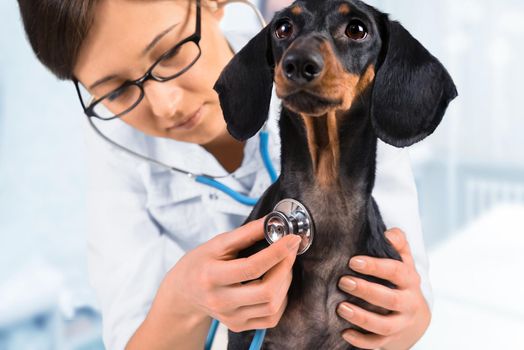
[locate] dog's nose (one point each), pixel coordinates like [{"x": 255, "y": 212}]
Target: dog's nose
[{"x": 302, "y": 67}]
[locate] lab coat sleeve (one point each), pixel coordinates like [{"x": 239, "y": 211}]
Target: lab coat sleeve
[
  {"x": 396, "y": 195},
  {"x": 128, "y": 256}
]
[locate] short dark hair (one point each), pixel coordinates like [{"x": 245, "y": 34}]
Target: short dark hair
[{"x": 56, "y": 30}]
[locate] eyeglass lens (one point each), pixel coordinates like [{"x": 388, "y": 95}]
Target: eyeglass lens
[{"x": 125, "y": 98}]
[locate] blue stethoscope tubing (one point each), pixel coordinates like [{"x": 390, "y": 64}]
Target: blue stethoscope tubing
[
  {"x": 266, "y": 158},
  {"x": 208, "y": 179},
  {"x": 256, "y": 343}
]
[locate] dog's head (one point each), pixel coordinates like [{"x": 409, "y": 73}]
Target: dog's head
[{"x": 322, "y": 55}]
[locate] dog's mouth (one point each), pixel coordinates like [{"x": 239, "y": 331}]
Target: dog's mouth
[{"x": 305, "y": 102}]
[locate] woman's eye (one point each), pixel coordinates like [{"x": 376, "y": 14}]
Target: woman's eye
[
  {"x": 122, "y": 94},
  {"x": 172, "y": 54},
  {"x": 284, "y": 29},
  {"x": 356, "y": 30},
  {"x": 115, "y": 94}
]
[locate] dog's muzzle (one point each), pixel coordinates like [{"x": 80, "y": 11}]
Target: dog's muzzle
[{"x": 290, "y": 217}]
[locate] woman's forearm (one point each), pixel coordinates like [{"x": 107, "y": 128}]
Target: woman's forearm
[
  {"x": 182, "y": 333},
  {"x": 171, "y": 324}
]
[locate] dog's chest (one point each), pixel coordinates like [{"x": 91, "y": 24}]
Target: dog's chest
[
  {"x": 339, "y": 218},
  {"x": 310, "y": 320}
]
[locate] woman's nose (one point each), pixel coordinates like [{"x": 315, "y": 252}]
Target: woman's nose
[{"x": 163, "y": 98}]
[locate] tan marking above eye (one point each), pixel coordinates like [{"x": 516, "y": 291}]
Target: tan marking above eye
[
  {"x": 296, "y": 10},
  {"x": 344, "y": 9}
]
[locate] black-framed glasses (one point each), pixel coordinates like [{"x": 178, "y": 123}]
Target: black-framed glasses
[{"x": 170, "y": 65}]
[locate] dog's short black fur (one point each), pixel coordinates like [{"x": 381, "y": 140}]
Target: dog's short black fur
[{"x": 346, "y": 75}]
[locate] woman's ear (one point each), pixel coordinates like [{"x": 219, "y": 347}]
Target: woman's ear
[
  {"x": 245, "y": 85},
  {"x": 411, "y": 92}
]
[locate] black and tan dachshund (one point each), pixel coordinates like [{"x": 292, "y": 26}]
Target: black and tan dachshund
[{"x": 346, "y": 75}]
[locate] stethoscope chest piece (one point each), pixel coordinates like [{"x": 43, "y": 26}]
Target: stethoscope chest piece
[{"x": 290, "y": 217}]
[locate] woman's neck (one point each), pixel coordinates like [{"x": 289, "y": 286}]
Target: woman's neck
[{"x": 228, "y": 151}]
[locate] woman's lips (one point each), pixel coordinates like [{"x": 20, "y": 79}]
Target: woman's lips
[{"x": 190, "y": 122}]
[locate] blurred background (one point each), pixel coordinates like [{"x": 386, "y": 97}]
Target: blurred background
[{"x": 470, "y": 176}]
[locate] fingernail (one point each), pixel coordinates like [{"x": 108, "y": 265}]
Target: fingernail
[
  {"x": 349, "y": 336},
  {"x": 345, "y": 311},
  {"x": 357, "y": 263},
  {"x": 348, "y": 284}
]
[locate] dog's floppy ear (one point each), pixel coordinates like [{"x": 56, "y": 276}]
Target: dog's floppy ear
[
  {"x": 244, "y": 87},
  {"x": 411, "y": 91}
]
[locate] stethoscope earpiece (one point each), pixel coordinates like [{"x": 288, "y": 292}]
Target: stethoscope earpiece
[{"x": 290, "y": 217}]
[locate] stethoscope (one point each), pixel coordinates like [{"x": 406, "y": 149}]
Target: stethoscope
[
  {"x": 288, "y": 217},
  {"x": 205, "y": 179}
]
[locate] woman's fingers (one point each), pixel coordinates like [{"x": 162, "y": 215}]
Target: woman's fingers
[
  {"x": 400, "y": 273},
  {"x": 373, "y": 293},
  {"x": 384, "y": 325},
  {"x": 230, "y": 243},
  {"x": 398, "y": 240},
  {"x": 253, "y": 267},
  {"x": 271, "y": 289},
  {"x": 386, "y": 269},
  {"x": 365, "y": 341},
  {"x": 240, "y": 323},
  {"x": 226, "y": 296},
  {"x": 403, "y": 301},
  {"x": 261, "y": 310}
]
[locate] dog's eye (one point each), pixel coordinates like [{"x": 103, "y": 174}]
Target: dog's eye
[
  {"x": 284, "y": 29},
  {"x": 356, "y": 30}
]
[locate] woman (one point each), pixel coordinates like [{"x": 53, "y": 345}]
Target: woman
[{"x": 158, "y": 266}]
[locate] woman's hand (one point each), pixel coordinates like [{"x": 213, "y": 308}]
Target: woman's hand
[
  {"x": 410, "y": 315},
  {"x": 208, "y": 279}
]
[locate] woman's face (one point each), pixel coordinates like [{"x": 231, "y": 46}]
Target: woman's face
[{"x": 128, "y": 36}]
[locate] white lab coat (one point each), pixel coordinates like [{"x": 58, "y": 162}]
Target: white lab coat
[{"x": 143, "y": 218}]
